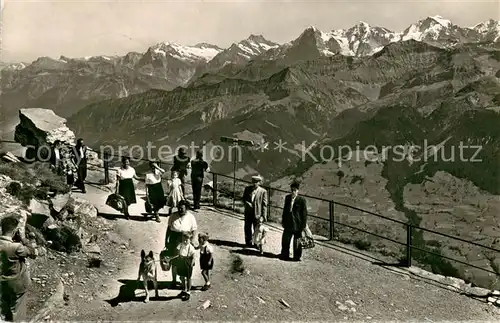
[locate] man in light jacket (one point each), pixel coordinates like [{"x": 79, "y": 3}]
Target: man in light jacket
[{"x": 255, "y": 200}]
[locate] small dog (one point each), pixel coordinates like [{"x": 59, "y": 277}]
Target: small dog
[{"x": 148, "y": 272}]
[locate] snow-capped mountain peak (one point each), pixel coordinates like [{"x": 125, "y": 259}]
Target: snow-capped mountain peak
[
  {"x": 430, "y": 29},
  {"x": 441, "y": 21},
  {"x": 489, "y": 29},
  {"x": 198, "y": 52}
]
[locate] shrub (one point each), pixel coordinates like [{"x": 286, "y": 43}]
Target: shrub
[
  {"x": 237, "y": 265},
  {"x": 25, "y": 193},
  {"x": 38, "y": 174}
]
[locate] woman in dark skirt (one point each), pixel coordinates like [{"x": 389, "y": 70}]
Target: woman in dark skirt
[
  {"x": 180, "y": 222},
  {"x": 154, "y": 187},
  {"x": 125, "y": 181}
]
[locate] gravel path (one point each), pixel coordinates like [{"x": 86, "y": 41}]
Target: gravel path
[{"x": 329, "y": 283}]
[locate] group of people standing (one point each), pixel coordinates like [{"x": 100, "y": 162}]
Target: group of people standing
[
  {"x": 155, "y": 194},
  {"x": 294, "y": 218},
  {"x": 74, "y": 165}
]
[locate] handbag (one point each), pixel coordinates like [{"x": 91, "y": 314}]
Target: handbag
[
  {"x": 165, "y": 260},
  {"x": 306, "y": 242},
  {"x": 116, "y": 201}
]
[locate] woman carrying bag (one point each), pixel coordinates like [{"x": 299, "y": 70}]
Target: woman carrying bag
[
  {"x": 154, "y": 190},
  {"x": 125, "y": 184}
]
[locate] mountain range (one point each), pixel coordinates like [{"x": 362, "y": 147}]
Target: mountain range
[
  {"x": 68, "y": 84},
  {"x": 435, "y": 82}
]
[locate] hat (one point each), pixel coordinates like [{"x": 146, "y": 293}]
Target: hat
[{"x": 256, "y": 178}]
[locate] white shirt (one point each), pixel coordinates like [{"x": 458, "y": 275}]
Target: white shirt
[
  {"x": 56, "y": 152},
  {"x": 187, "y": 223},
  {"x": 186, "y": 250},
  {"x": 293, "y": 201},
  {"x": 126, "y": 173},
  {"x": 153, "y": 178}
]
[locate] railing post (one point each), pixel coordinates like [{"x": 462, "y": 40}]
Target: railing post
[
  {"x": 106, "y": 168},
  {"x": 214, "y": 188},
  {"x": 409, "y": 233},
  {"x": 268, "y": 203},
  {"x": 331, "y": 213}
]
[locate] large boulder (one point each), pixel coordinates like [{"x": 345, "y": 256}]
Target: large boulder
[
  {"x": 39, "y": 127},
  {"x": 81, "y": 208}
]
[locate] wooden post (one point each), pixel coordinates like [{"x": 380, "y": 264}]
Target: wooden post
[
  {"x": 214, "y": 189},
  {"x": 268, "y": 203},
  {"x": 106, "y": 168},
  {"x": 409, "y": 233},
  {"x": 331, "y": 213}
]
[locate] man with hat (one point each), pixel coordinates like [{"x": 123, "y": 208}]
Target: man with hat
[{"x": 255, "y": 200}]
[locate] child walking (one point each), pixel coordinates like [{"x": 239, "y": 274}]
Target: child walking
[
  {"x": 206, "y": 258},
  {"x": 184, "y": 264},
  {"x": 175, "y": 195},
  {"x": 259, "y": 237}
]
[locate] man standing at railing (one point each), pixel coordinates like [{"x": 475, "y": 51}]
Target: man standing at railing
[
  {"x": 255, "y": 200},
  {"x": 198, "y": 169},
  {"x": 80, "y": 159},
  {"x": 294, "y": 223}
]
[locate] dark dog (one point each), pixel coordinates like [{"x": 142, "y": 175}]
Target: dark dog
[{"x": 148, "y": 272}]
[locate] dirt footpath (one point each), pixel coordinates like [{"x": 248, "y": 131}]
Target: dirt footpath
[{"x": 329, "y": 284}]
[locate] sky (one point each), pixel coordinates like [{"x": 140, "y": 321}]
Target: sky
[{"x": 35, "y": 28}]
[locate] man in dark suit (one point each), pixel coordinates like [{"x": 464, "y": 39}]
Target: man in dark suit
[
  {"x": 294, "y": 222},
  {"x": 80, "y": 159},
  {"x": 198, "y": 169},
  {"x": 255, "y": 201}
]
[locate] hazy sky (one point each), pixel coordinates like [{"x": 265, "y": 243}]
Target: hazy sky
[{"x": 83, "y": 28}]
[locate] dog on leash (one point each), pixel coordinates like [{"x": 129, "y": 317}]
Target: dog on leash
[{"x": 148, "y": 272}]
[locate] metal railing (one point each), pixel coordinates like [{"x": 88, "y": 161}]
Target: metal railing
[{"x": 332, "y": 221}]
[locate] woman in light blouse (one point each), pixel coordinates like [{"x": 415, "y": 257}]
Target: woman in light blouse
[
  {"x": 154, "y": 189},
  {"x": 183, "y": 221},
  {"x": 125, "y": 176}
]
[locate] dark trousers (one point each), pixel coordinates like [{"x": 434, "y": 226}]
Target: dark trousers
[
  {"x": 182, "y": 177},
  {"x": 197, "y": 184},
  {"x": 250, "y": 224},
  {"x": 82, "y": 174},
  {"x": 13, "y": 305},
  {"x": 285, "y": 244}
]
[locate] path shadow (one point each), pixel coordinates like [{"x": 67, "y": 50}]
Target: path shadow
[
  {"x": 151, "y": 215},
  {"x": 226, "y": 243},
  {"x": 116, "y": 216},
  {"x": 253, "y": 252},
  {"x": 127, "y": 292}
]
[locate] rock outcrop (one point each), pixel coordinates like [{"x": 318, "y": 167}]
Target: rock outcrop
[{"x": 39, "y": 127}]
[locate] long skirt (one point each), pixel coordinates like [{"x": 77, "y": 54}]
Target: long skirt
[
  {"x": 157, "y": 196},
  {"x": 173, "y": 242},
  {"x": 127, "y": 190}
]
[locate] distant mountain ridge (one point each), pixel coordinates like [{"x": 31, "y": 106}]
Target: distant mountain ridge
[{"x": 66, "y": 85}]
